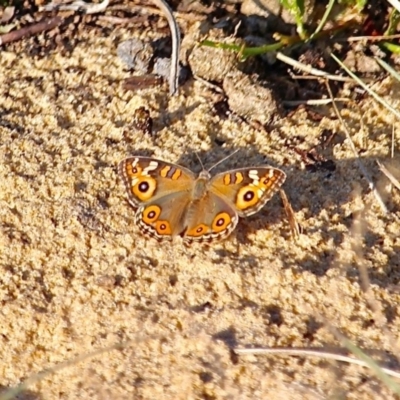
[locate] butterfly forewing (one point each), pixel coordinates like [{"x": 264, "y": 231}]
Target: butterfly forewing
[
  {"x": 147, "y": 179},
  {"x": 248, "y": 189}
]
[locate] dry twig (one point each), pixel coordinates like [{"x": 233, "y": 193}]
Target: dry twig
[
  {"x": 30, "y": 30},
  {"x": 389, "y": 175},
  {"x": 78, "y": 5}
]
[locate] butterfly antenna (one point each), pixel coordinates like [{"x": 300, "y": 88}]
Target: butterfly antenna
[
  {"x": 198, "y": 157},
  {"x": 224, "y": 159}
]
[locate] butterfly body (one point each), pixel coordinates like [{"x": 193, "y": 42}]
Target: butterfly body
[{"x": 172, "y": 201}]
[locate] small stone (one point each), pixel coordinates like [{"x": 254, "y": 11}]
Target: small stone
[
  {"x": 250, "y": 98},
  {"x": 135, "y": 54},
  {"x": 162, "y": 68},
  {"x": 212, "y": 64}
]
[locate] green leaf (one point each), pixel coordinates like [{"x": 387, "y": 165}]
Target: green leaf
[{"x": 296, "y": 8}]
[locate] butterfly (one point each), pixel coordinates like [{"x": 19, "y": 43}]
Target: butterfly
[{"x": 171, "y": 200}]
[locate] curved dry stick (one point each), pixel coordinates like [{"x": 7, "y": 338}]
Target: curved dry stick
[{"x": 176, "y": 44}]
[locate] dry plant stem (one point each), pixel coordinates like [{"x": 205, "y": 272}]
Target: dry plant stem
[
  {"x": 142, "y": 82},
  {"x": 310, "y": 70},
  {"x": 370, "y": 38},
  {"x": 316, "y": 102},
  {"x": 208, "y": 84},
  {"x": 30, "y": 30},
  {"x": 176, "y": 44},
  {"x": 392, "y": 149},
  {"x": 312, "y": 77},
  {"x": 356, "y": 156},
  {"x": 78, "y": 5},
  {"x": 294, "y": 225},
  {"x": 381, "y": 373},
  {"x": 122, "y": 21},
  {"x": 374, "y": 95},
  {"x": 320, "y": 353},
  {"x": 389, "y": 175}
]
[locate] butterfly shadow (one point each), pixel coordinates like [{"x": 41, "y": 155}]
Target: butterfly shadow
[{"x": 321, "y": 196}]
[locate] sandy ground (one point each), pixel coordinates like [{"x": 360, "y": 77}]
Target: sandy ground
[{"x": 76, "y": 275}]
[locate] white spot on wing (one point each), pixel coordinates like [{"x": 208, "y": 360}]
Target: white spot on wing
[
  {"x": 151, "y": 167},
  {"x": 253, "y": 174}
]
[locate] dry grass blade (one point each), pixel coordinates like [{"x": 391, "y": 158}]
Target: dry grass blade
[
  {"x": 371, "y": 38},
  {"x": 314, "y": 102},
  {"x": 320, "y": 353},
  {"x": 388, "y": 68},
  {"x": 368, "y": 89},
  {"x": 380, "y": 372},
  {"x": 389, "y": 175},
  {"x": 308, "y": 69}
]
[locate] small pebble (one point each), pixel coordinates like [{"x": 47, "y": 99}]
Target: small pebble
[{"x": 135, "y": 54}]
